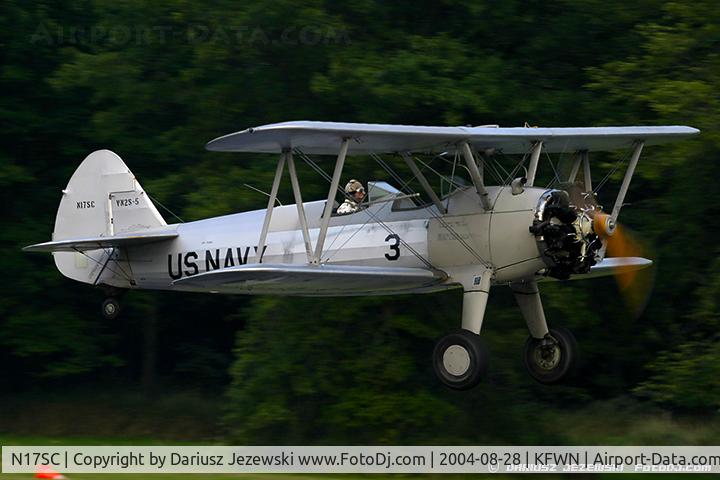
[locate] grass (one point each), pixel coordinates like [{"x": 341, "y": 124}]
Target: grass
[
  {"x": 625, "y": 422},
  {"x": 166, "y": 417}
]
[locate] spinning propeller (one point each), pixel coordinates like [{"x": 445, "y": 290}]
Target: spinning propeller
[
  {"x": 618, "y": 241},
  {"x": 634, "y": 285}
]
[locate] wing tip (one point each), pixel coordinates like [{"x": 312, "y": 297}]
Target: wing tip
[{"x": 37, "y": 247}]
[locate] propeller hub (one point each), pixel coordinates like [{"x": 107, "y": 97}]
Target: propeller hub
[{"x": 604, "y": 225}]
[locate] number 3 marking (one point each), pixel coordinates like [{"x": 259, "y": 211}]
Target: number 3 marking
[{"x": 394, "y": 247}]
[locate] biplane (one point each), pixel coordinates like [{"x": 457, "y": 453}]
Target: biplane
[{"x": 467, "y": 235}]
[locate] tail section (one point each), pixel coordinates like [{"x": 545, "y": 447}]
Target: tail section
[{"x": 102, "y": 199}]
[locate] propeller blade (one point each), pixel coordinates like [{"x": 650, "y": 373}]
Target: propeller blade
[{"x": 635, "y": 286}]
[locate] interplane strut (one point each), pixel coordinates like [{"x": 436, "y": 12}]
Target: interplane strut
[
  {"x": 270, "y": 207},
  {"x": 423, "y": 181},
  {"x": 534, "y": 159},
  {"x": 476, "y": 176},
  {"x": 331, "y": 198}
]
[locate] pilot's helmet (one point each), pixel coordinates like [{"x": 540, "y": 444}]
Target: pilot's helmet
[{"x": 354, "y": 186}]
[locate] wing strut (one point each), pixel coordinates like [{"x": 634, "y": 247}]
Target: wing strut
[
  {"x": 586, "y": 172},
  {"x": 575, "y": 167},
  {"x": 476, "y": 177},
  {"x": 299, "y": 202},
  {"x": 534, "y": 158},
  {"x": 624, "y": 188},
  {"x": 331, "y": 198},
  {"x": 626, "y": 181},
  {"x": 423, "y": 181},
  {"x": 270, "y": 206}
]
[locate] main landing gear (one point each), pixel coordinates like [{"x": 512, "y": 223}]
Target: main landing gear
[
  {"x": 553, "y": 358},
  {"x": 111, "y": 305},
  {"x": 551, "y": 355},
  {"x": 460, "y": 359}
]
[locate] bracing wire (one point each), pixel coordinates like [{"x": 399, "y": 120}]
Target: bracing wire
[
  {"x": 440, "y": 218},
  {"x": 617, "y": 165},
  {"x": 492, "y": 166},
  {"x": 165, "y": 208},
  {"x": 374, "y": 217},
  {"x": 555, "y": 172},
  {"x": 443, "y": 177},
  {"x": 351, "y": 236},
  {"x": 107, "y": 266},
  {"x": 403, "y": 185},
  {"x": 517, "y": 168}
]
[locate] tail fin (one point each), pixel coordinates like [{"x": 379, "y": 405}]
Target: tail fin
[{"x": 103, "y": 198}]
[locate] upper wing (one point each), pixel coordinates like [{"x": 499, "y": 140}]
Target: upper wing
[
  {"x": 95, "y": 243},
  {"x": 311, "y": 280},
  {"x": 325, "y": 138}
]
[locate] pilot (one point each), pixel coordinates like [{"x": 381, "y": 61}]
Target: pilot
[{"x": 356, "y": 194}]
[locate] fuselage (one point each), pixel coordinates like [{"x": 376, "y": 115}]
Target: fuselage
[{"x": 391, "y": 233}]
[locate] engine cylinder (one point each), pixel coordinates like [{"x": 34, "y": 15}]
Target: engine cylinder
[{"x": 566, "y": 232}]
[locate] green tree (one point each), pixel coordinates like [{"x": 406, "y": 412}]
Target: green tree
[
  {"x": 673, "y": 79},
  {"x": 155, "y": 81},
  {"x": 43, "y": 330}
]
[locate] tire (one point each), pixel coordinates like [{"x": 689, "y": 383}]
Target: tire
[
  {"x": 460, "y": 360},
  {"x": 110, "y": 308},
  {"x": 557, "y": 363}
]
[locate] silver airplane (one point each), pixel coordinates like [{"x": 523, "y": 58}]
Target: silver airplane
[{"x": 108, "y": 232}]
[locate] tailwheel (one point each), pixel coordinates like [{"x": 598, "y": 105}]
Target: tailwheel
[
  {"x": 111, "y": 308},
  {"x": 552, "y": 359},
  {"x": 460, "y": 360}
]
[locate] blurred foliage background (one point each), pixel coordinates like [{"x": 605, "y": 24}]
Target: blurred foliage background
[{"x": 153, "y": 81}]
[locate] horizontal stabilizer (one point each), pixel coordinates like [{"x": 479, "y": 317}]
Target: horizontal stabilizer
[
  {"x": 325, "y": 138},
  {"x": 310, "y": 280},
  {"x": 96, "y": 243}
]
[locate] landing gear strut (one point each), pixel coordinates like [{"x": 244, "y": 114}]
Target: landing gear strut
[
  {"x": 550, "y": 354},
  {"x": 460, "y": 359}
]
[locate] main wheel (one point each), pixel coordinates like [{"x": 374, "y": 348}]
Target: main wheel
[
  {"x": 460, "y": 360},
  {"x": 552, "y": 359},
  {"x": 111, "y": 308}
]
